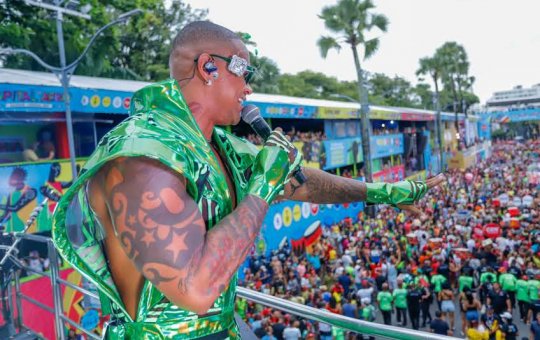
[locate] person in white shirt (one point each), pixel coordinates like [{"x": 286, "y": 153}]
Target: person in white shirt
[
  {"x": 292, "y": 332},
  {"x": 366, "y": 292}
]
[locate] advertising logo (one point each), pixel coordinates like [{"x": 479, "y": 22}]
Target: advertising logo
[
  {"x": 95, "y": 100},
  {"x": 314, "y": 209},
  {"x": 297, "y": 213},
  {"x": 106, "y": 101},
  {"x": 117, "y": 102},
  {"x": 278, "y": 221},
  {"x": 287, "y": 216},
  {"x": 306, "y": 210}
]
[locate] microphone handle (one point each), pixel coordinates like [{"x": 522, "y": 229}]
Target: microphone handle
[{"x": 263, "y": 130}]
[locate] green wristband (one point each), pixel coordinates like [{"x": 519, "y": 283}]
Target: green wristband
[
  {"x": 269, "y": 173},
  {"x": 403, "y": 192}
]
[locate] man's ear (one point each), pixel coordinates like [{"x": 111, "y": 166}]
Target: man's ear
[{"x": 205, "y": 67}]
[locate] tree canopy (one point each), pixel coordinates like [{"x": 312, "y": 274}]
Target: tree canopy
[{"x": 138, "y": 49}]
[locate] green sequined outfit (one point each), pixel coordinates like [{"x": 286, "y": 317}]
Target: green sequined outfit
[{"x": 160, "y": 127}]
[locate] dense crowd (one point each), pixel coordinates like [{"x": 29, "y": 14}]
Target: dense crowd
[
  {"x": 294, "y": 136},
  {"x": 474, "y": 255}
]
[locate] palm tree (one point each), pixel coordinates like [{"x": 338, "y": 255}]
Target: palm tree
[
  {"x": 349, "y": 21},
  {"x": 454, "y": 60},
  {"x": 433, "y": 67}
]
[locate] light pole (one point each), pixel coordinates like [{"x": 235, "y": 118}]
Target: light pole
[
  {"x": 439, "y": 129},
  {"x": 64, "y": 72}
]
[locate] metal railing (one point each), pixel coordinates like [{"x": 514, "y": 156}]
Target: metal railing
[
  {"x": 336, "y": 320},
  {"x": 54, "y": 275}
]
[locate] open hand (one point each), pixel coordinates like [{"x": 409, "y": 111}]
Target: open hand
[{"x": 431, "y": 183}]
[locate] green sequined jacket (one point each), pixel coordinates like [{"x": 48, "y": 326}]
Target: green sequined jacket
[{"x": 160, "y": 127}]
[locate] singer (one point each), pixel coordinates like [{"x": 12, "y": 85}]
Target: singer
[{"x": 168, "y": 206}]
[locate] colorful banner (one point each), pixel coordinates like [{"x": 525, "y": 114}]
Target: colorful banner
[
  {"x": 334, "y": 129},
  {"x": 340, "y": 152},
  {"x": 23, "y": 187},
  {"x": 74, "y": 305},
  {"x": 279, "y": 110},
  {"x": 515, "y": 115},
  {"x": 337, "y": 113},
  {"x": 310, "y": 152},
  {"x": 386, "y": 145},
  {"x": 418, "y": 176},
  {"x": 468, "y": 157},
  {"x": 32, "y": 98},
  {"x": 385, "y": 115},
  {"x": 415, "y": 116},
  {"x": 393, "y": 174},
  {"x": 297, "y": 222}
]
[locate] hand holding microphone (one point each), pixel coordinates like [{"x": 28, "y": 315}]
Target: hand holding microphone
[
  {"x": 251, "y": 115},
  {"x": 277, "y": 161}
]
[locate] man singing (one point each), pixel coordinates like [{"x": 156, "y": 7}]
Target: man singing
[{"x": 168, "y": 205}]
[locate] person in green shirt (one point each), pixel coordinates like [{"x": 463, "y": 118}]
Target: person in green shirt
[
  {"x": 487, "y": 278},
  {"x": 385, "y": 298},
  {"x": 367, "y": 310},
  {"x": 522, "y": 296},
  {"x": 508, "y": 283},
  {"x": 534, "y": 287},
  {"x": 400, "y": 302},
  {"x": 465, "y": 281},
  {"x": 437, "y": 281}
]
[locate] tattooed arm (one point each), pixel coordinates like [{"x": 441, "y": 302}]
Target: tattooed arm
[
  {"x": 322, "y": 187},
  {"x": 162, "y": 231}
]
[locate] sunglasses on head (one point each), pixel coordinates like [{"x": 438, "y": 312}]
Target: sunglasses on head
[{"x": 238, "y": 66}]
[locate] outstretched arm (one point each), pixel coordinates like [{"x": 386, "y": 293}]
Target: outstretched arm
[
  {"x": 322, "y": 187},
  {"x": 162, "y": 231},
  {"x": 26, "y": 198}
]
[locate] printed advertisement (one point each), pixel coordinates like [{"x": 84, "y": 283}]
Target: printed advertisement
[
  {"x": 31, "y": 98},
  {"x": 341, "y": 152},
  {"x": 298, "y": 223},
  {"x": 386, "y": 145},
  {"x": 310, "y": 152},
  {"x": 75, "y": 305},
  {"x": 337, "y": 113},
  {"x": 393, "y": 174},
  {"x": 279, "y": 110},
  {"x": 24, "y": 187}
]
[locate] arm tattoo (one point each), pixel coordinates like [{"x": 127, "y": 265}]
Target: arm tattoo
[
  {"x": 322, "y": 187},
  {"x": 162, "y": 230}
]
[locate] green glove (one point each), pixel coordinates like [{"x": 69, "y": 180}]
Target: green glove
[
  {"x": 273, "y": 166},
  {"x": 403, "y": 192}
]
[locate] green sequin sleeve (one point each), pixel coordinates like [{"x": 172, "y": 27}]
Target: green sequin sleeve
[{"x": 403, "y": 192}]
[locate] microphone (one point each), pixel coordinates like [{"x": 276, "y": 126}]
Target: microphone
[{"x": 251, "y": 115}]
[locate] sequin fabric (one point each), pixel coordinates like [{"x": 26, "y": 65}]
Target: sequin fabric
[{"x": 160, "y": 127}]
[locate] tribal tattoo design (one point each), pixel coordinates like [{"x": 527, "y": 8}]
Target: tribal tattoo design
[{"x": 163, "y": 232}]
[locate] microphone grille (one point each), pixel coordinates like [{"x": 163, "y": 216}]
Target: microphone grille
[{"x": 249, "y": 113}]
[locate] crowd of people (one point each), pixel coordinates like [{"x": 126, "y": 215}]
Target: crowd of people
[
  {"x": 474, "y": 257},
  {"x": 294, "y": 136}
]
